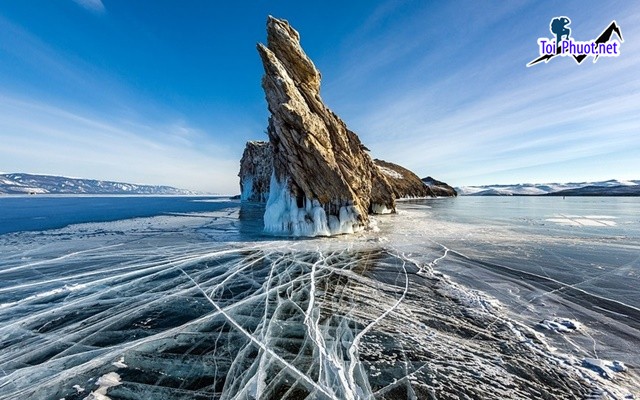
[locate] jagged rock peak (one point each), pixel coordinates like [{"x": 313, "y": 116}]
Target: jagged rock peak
[
  {"x": 256, "y": 167},
  {"x": 323, "y": 182},
  {"x": 284, "y": 42}
]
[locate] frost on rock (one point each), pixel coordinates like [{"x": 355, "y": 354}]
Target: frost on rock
[
  {"x": 439, "y": 188},
  {"x": 390, "y": 173}
]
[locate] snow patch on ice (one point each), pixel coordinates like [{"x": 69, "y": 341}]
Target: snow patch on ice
[
  {"x": 120, "y": 363},
  {"x": 470, "y": 298},
  {"x": 604, "y": 367},
  {"x": 105, "y": 382},
  {"x": 562, "y": 325},
  {"x": 373, "y": 225}
]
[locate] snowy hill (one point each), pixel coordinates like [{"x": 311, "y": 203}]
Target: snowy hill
[
  {"x": 18, "y": 183},
  {"x": 611, "y": 187}
]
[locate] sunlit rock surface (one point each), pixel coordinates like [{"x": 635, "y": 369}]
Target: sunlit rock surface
[
  {"x": 438, "y": 188},
  {"x": 405, "y": 183},
  {"x": 323, "y": 182},
  {"x": 256, "y": 167}
]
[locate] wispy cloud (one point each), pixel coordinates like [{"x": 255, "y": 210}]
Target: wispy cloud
[
  {"x": 484, "y": 117},
  {"x": 95, "y": 6},
  {"x": 85, "y": 122},
  {"x": 42, "y": 138}
]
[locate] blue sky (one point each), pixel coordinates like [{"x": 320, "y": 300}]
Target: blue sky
[{"x": 168, "y": 92}]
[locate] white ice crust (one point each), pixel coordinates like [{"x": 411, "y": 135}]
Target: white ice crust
[
  {"x": 105, "y": 382},
  {"x": 380, "y": 209},
  {"x": 283, "y": 216},
  {"x": 562, "y": 325}
]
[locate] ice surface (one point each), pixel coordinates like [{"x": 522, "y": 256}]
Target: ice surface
[
  {"x": 204, "y": 306},
  {"x": 604, "y": 367},
  {"x": 589, "y": 220}
]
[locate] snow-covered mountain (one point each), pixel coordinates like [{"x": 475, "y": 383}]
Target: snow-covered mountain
[
  {"x": 611, "y": 187},
  {"x": 18, "y": 183}
]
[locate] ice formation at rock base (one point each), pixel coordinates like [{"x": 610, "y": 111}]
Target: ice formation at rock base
[
  {"x": 325, "y": 182},
  {"x": 285, "y": 215}
]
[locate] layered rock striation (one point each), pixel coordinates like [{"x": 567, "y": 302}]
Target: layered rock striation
[
  {"x": 405, "y": 184},
  {"x": 256, "y": 168},
  {"x": 321, "y": 179}
]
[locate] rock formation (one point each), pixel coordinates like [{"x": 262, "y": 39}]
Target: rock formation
[
  {"x": 256, "y": 167},
  {"x": 321, "y": 179},
  {"x": 405, "y": 183},
  {"x": 323, "y": 182},
  {"x": 439, "y": 189}
]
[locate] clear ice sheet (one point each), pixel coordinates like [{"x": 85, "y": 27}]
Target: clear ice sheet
[{"x": 206, "y": 306}]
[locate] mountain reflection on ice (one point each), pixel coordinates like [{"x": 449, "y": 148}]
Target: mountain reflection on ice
[{"x": 212, "y": 309}]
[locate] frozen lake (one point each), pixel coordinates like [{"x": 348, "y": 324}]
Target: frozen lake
[
  {"x": 473, "y": 297},
  {"x": 36, "y": 213}
]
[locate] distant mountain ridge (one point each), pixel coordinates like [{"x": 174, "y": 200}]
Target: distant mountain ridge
[
  {"x": 19, "y": 183},
  {"x": 612, "y": 187}
]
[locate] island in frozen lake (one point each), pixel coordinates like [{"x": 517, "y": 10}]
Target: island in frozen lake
[
  {"x": 211, "y": 298},
  {"x": 315, "y": 175}
]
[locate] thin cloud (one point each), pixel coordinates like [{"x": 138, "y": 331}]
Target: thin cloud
[
  {"x": 488, "y": 119},
  {"x": 95, "y": 6},
  {"x": 43, "y": 138}
]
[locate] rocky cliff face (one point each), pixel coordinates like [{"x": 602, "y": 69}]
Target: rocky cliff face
[
  {"x": 256, "y": 166},
  {"x": 439, "y": 188},
  {"x": 405, "y": 183},
  {"x": 323, "y": 182},
  {"x": 321, "y": 179}
]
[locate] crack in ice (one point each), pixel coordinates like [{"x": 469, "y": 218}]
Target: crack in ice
[{"x": 261, "y": 345}]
